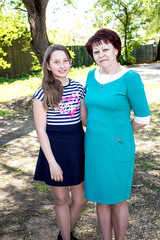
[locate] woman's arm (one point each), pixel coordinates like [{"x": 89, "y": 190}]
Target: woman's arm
[
  {"x": 84, "y": 113},
  {"x": 137, "y": 126},
  {"x": 40, "y": 123}
]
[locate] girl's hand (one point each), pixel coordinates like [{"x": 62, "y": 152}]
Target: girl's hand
[
  {"x": 56, "y": 172},
  {"x": 84, "y": 113}
]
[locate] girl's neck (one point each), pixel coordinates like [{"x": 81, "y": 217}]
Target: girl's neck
[{"x": 64, "y": 81}]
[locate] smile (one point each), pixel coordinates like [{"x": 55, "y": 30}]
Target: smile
[{"x": 103, "y": 60}]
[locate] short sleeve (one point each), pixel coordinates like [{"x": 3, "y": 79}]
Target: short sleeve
[
  {"x": 136, "y": 95},
  {"x": 39, "y": 94},
  {"x": 81, "y": 91}
]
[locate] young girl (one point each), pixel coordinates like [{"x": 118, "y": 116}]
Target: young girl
[{"x": 58, "y": 108}]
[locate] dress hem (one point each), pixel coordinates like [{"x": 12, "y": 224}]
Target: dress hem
[{"x": 108, "y": 202}]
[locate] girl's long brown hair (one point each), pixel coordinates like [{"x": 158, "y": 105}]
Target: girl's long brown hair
[{"x": 52, "y": 87}]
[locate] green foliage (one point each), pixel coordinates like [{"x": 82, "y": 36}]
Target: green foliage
[
  {"x": 13, "y": 25},
  {"x": 36, "y": 66},
  {"x": 3, "y": 63},
  {"x": 71, "y": 52},
  {"x": 101, "y": 19},
  {"x": 128, "y": 18},
  {"x": 67, "y": 37},
  {"x": 152, "y": 15},
  {"x": 127, "y": 57}
]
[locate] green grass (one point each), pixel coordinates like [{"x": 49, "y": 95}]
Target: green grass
[
  {"x": 18, "y": 88},
  {"x": 3, "y": 112},
  {"x": 25, "y": 86},
  {"x": 146, "y": 165},
  {"x": 86, "y": 211},
  {"x": 43, "y": 188},
  {"x": 80, "y": 74},
  {"x": 19, "y": 173}
]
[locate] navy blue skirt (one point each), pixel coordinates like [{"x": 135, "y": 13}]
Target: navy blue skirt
[{"x": 67, "y": 144}]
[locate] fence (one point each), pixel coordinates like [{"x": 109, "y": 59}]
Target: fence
[
  {"x": 146, "y": 53},
  {"x": 21, "y": 62},
  {"x": 81, "y": 57}
]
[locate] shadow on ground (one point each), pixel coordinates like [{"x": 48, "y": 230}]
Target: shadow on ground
[{"x": 27, "y": 207}]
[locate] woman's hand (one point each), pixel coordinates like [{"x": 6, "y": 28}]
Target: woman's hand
[
  {"x": 137, "y": 126},
  {"x": 56, "y": 172}
]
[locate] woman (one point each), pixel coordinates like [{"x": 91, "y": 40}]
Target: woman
[{"x": 112, "y": 91}]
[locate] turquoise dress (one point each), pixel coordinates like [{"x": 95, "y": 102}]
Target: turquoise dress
[{"x": 109, "y": 137}]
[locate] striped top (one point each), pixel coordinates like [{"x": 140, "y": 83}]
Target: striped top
[{"x": 68, "y": 111}]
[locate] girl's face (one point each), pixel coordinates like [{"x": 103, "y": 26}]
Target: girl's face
[
  {"x": 59, "y": 64},
  {"x": 105, "y": 55}
]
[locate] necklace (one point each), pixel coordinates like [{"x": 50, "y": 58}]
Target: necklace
[
  {"x": 109, "y": 79},
  {"x": 102, "y": 84}
]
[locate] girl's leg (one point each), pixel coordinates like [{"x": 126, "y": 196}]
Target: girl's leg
[
  {"x": 120, "y": 217},
  {"x": 61, "y": 199},
  {"x": 105, "y": 222},
  {"x": 77, "y": 203}
]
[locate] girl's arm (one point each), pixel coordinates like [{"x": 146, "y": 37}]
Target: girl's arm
[
  {"x": 40, "y": 123},
  {"x": 84, "y": 113}
]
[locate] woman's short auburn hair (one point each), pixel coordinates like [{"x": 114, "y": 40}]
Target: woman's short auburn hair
[{"x": 107, "y": 36}]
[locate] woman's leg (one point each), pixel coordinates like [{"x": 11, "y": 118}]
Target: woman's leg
[
  {"x": 115, "y": 216},
  {"x": 77, "y": 203},
  {"x": 105, "y": 222},
  {"x": 120, "y": 217},
  {"x": 61, "y": 199}
]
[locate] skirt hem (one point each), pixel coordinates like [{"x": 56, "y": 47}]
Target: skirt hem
[{"x": 59, "y": 184}]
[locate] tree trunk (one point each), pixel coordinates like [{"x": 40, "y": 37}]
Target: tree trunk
[{"x": 37, "y": 18}]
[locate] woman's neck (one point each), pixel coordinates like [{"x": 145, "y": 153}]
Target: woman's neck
[{"x": 111, "y": 70}]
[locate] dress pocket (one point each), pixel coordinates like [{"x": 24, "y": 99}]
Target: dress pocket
[{"x": 122, "y": 149}]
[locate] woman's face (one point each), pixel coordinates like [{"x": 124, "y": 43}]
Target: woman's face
[
  {"x": 59, "y": 64},
  {"x": 105, "y": 54}
]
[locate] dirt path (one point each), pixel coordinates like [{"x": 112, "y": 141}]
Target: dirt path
[{"x": 26, "y": 207}]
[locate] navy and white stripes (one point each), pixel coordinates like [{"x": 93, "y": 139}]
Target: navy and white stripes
[{"x": 68, "y": 111}]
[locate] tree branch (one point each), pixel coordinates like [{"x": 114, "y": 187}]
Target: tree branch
[{"x": 23, "y": 10}]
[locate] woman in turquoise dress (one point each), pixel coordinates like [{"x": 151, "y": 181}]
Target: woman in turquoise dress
[{"x": 112, "y": 91}]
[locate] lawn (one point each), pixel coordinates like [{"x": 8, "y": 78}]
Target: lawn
[
  {"x": 27, "y": 208},
  {"x": 26, "y": 86}
]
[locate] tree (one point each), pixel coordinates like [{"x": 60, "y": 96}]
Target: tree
[
  {"x": 152, "y": 26},
  {"x": 37, "y": 19},
  {"x": 152, "y": 15},
  {"x": 36, "y": 13},
  {"x": 126, "y": 15}
]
